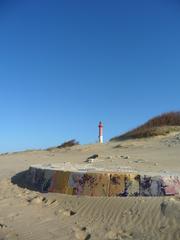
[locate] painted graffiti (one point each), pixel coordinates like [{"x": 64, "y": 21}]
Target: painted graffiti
[
  {"x": 102, "y": 184},
  {"x": 39, "y": 179},
  {"x": 151, "y": 186}
]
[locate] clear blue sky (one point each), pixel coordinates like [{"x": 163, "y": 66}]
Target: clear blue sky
[{"x": 65, "y": 65}]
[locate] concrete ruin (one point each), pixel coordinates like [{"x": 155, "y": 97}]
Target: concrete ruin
[{"x": 81, "y": 180}]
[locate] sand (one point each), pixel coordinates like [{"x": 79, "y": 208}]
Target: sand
[{"x": 26, "y": 214}]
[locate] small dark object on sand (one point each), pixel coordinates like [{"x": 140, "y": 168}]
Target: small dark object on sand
[{"x": 93, "y": 156}]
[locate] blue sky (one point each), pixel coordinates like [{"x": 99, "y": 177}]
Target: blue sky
[{"x": 65, "y": 65}]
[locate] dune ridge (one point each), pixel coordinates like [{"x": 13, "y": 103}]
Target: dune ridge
[{"x": 160, "y": 125}]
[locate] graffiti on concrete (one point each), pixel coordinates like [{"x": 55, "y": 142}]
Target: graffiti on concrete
[
  {"x": 171, "y": 185},
  {"x": 76, "y": 182},
  {"x": 151, "y": 186},
  {"x": 123, "y": 184},
  {"x": 102, "y": 183},
  {"x": 39, "y": 179},
  {"x": 159, "y": 185}
]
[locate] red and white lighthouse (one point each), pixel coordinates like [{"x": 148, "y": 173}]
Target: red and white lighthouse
[{"x": 100, "y": 132}]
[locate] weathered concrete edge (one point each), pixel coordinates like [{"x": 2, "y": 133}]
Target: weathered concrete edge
[{"x": 102, "y": 183}]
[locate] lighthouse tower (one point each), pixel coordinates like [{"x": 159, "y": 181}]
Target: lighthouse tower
[{"x": 100, "y": 132}]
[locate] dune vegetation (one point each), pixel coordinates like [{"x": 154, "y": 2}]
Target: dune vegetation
[
  {"x": 159, "y": 125},
  {"x": 67, "y": 144}
]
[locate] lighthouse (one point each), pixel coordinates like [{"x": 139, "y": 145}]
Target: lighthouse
[{"x": 100, "y": 132}]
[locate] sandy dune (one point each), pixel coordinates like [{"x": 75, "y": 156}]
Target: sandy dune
[{"x": 27, "y": 214}]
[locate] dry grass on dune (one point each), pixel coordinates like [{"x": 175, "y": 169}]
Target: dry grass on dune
[
  {"x": 160, "y": 125},
  {"x": 69, "y": 143}
]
